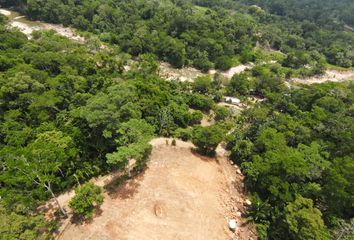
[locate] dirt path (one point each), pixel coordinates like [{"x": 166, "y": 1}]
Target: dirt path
[
  {"x": 27, "y": 27},
  {"x": 331, "y": 75},
  {"x": 236, "y": 70},
  {"x": 5, "y": 12},
  {"x": 181, "y": 195},
  {"x": 168, "y": 72},
  {"x": 60, "y": 29}
]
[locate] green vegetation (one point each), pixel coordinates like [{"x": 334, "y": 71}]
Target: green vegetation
[
  {"x": 185, "y": 34},
  {"x": 17, "y": 225},
  {"x": 206, "y": 139},
  {"x": 68, "y": 112},
  {"x": 296, "y": 150},
  {"x": 87, "y": 198},
  {"x": 71, "y": 111}
]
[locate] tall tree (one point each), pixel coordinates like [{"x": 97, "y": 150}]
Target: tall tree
[
  {"x": 304, "y": 221},
  {"x": 43, "y": 161}
]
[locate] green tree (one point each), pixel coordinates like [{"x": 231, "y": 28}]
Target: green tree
[
  {"x": 105, "y": 111},
  {"x": 202, "y": 62},
  {"x": 304, "y": 221},
  {"x": 200, "y": 102},
  {"x": 242, "y": 151},
  {"x": 182, "y": 133},
  {"x": 338, "y": 187},
  {"x": 43, "y": 161},
  {"x": 195, "y": 117},
  {"x": 223, "y": 63},
  {"x": 132, "y": 144},
  {"x": 206, "y": 139},
  {"x": 202, "y": 85},
  {"x": 221, "y": 113},
  {"x": 240, "y": 84},
  {"x": 14, "y": 225},
  {"x": 87, "y": 199}
]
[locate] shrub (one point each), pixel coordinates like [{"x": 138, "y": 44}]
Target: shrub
[
  {"x": 223, "y": 63},
  {"x": 87, "y": 198},
  {"x": 206, "y": 139},
  {"x": 184, "y": 134},
  {"x": 195, "y": 117},
  {"x": 221, "y": 113}
]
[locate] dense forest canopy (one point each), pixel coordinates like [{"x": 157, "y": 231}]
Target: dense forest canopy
[
  {"x": 323, "y": 12},
  {"x": 224, "y": 34},
  {"x": 294, "y": 148},
  {"x": 70, "y": 111}
]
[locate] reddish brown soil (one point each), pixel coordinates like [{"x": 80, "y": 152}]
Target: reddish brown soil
[{"x": 180, "y": 195}]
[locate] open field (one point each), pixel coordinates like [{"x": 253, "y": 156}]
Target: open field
[{"x": 180, "y": 195}]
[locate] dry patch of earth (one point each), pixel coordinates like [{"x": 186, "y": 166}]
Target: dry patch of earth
[
  {"x": 5, "y": 12},
  {"x": 27, "y": 27},
  {"x": 331, "y": 75},
  {"x": 236, "y": 70},
  {"x": 63, "y": 31},
  {"x": 180, "y": 195},
  {"x": 168, "y": 72}
]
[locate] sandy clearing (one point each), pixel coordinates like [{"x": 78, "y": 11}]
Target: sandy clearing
[
  {"x": 63, "y": 31},
  {"x": 5, "y": 12},
  {"x": 180, "y": 195},
  {"x": 24, "y": 28},
  {"x": 168, "y": 72},
  {"x": 331, "y": 75},
  {"x": 27, "y": 27},
  {"x": 236, "y": 70},
  {"x": 207, "y": 120},
  {"x": 233, "y": 109}
]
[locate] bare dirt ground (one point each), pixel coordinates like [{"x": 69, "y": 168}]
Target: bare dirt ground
[
  {"x": 207, "y": 121},
  {"x": 27, "y": 27},
  {"x": 5, "y": 12},
  {"x": 180, "y": 195},
  {"x": 331, "y": 75},
  {"x": 236, "y": 70},
  {"x": 168, "y": 72},
  {"x": 238, "y": 108},
  {"x": 189, "y": 73}
]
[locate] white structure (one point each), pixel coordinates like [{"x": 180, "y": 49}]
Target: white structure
[
  {"x": 232, "y": 224},
  {"x": 232, "y": 100}
]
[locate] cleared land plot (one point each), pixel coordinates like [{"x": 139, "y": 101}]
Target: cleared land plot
[{"x": 180, "y": 195}]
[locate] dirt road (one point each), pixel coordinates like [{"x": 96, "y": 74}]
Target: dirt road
[
  {"x": 27, "y": 26},
  {"x": 181, "y": 195},
  {"x": 330, "y": 75}
]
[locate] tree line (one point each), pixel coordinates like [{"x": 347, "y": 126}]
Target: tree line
[
  {"x": 296, "y": 150},
  {"x": 207, "y": 33}
]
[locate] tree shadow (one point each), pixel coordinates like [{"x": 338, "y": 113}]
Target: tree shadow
[
  {"x": 211, "y": 157},
  {"x": 80, "y": 219},
  {"x": 124, "y": 187}
]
